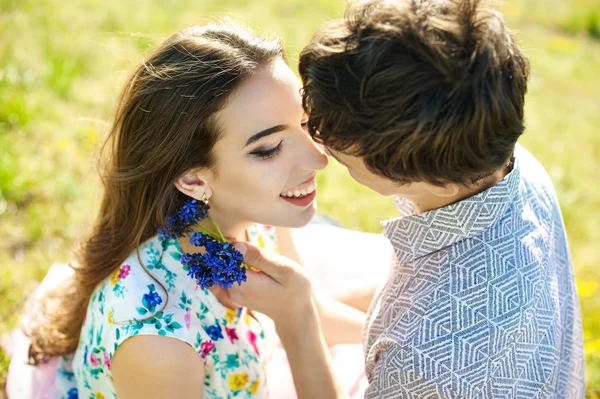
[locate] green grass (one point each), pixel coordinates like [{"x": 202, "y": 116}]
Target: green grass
[{"x": 62, "y": 64}]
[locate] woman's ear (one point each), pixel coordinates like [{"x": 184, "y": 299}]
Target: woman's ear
[{"x": 194, "y": 184}]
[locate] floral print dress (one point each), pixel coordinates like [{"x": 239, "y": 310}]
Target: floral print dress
[{"x": 233, "y": 343}]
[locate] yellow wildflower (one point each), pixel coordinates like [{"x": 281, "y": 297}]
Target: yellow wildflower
[
  {"x": 98, "y": 395},
  {"x": 110, "y": 317},
  {"x": 238, "y": 381}
]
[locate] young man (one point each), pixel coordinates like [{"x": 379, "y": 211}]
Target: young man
[{"x": 424, "y": 100}]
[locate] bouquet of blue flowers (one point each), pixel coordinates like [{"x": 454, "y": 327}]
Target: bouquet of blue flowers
[{"x": 221, "y": 263}]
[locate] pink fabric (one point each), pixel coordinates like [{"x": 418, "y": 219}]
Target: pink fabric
[
  {"x": 29, "y": 382},
  {"x": 25, "y": 381}
]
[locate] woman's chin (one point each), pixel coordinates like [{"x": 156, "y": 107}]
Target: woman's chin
[
  {"x": 298, "y": 219},
  {"x": 289, "y": 218},
  {"x": 304, "y": 217}
]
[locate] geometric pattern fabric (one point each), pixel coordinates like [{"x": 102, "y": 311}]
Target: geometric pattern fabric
[{"x": 482, "y": 301}]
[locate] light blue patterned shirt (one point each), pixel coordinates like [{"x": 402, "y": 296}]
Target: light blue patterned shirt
[{"x": 482, "y": 301}]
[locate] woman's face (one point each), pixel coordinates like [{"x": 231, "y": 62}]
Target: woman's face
[{"x": 265, "y": 161}]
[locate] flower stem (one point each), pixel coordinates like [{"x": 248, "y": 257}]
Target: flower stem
[
  {"x": 217, "y": 228},
  {"x": 206, "y": 230},
  {"x": 213, "y": 233}
]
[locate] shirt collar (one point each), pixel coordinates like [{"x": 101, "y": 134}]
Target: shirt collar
[{"x": 414, "y": 236}]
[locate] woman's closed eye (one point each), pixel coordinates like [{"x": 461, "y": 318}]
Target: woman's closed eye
[{"x": 268, "y": 153}]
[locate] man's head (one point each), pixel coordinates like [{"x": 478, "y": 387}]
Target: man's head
[{"x": 416, "y": 91}]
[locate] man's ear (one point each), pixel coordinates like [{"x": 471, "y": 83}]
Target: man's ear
[
  {"x": 447, "y": 190},
  {"x": 193, "y": 183}
]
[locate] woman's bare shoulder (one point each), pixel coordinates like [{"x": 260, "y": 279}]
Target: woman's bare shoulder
[{"x": 152, "y": 366}]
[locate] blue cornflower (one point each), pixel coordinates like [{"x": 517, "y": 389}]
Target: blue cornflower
[
  {"x": 72, "y": 394},
  {"x": 152, "y": 299},
  {"x": 171, "y": 221},
  {"x": 188, "y": 215},
  {"x": 214, "y": 332},
  {"x": 192, "y": 211},
  {"x": 221, "y": 264},
  {"x": 164, "y": 233},
  {"x": 200, "y": 239}
]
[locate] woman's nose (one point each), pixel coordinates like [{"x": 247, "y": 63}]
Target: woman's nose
[{"x": 315, "y": 158}]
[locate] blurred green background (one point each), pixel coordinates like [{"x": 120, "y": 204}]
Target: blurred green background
[{"x": 62, "y": 64}]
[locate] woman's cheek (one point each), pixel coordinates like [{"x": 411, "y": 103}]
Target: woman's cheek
[{"x": 261, "y": 184}]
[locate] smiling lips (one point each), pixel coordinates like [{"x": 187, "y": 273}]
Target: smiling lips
[{"x": 302, "y": 194}]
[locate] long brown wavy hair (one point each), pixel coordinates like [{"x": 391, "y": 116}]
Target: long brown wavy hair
[{"x": 164, "y": 126}]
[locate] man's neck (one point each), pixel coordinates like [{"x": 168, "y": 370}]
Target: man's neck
[{"x": 427, "y": 201}]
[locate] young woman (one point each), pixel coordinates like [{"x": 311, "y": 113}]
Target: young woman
[{"x": 213, "y": 115}]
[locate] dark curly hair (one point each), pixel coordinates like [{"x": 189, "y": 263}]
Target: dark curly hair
[{"x": 427, "y": 91}]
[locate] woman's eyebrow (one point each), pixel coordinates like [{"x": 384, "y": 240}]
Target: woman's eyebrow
[{"x": 264, "y": 133}]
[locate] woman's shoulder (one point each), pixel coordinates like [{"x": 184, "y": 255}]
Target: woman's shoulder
[
  {"x": 146, "y": 314},
  {"x": 149, "y": 293},
  {"x": 140, "y": 367},
  {"x": 143, "y": 276}
]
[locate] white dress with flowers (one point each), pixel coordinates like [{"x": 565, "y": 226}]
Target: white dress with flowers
[{"x": 234, "y": 344}]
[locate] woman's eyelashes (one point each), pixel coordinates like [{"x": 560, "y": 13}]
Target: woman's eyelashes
[
  {"x": 270, "y": 153},
  {"x": 273, "y": 152}
]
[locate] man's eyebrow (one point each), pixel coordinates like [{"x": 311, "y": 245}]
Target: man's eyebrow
[{"x": 264, "y": 133}]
